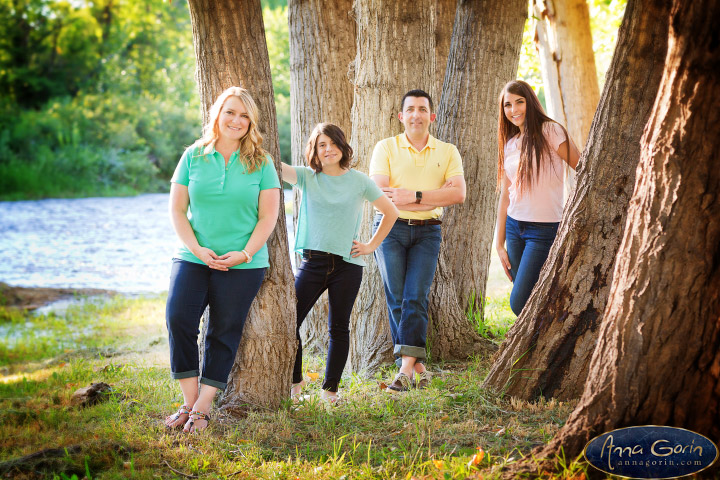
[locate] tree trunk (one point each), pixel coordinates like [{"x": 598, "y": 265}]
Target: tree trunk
[
  {"x": 658, "y": 359},
  {"x": 320, "y": 91},
  {"x": 487, "y": 33},
  {"x": 444, "y": 21},
  {"x": 395, "y": 53},
  {"x": 268, "y": 343},
  {"x": 548, "y": 350},
  {"x": 567, "y": 59}
]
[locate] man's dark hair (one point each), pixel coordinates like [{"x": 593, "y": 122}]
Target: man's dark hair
[{"x": 416, "y": 93}]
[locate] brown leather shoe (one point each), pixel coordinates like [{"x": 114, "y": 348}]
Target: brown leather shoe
[
  {"x": 402, "y": 383},
  {"x": 423, "y": 380}
]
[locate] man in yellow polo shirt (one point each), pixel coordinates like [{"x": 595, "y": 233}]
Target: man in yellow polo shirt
[{"x": 420, "y": 174}]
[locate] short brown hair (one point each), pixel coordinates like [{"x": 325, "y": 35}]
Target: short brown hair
[{"x": 337, "y": 136}]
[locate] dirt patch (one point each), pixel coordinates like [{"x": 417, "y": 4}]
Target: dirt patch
[{"x": 32, "y": 298}]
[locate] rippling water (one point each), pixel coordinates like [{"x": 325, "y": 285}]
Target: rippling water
[{"x": 117, "y": 243}]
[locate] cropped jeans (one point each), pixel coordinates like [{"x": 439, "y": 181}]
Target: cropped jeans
[
  {"x": 407, "y": 259},
  {"x": 528, "y": 245},
  {"x": 318, "y": 272},
  {"x": 194, "y": 286}
]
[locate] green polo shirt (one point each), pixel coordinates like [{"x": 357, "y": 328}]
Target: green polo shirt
[
  {"x": 331, "y": 211},
  {"x": 223, "y": 208}
]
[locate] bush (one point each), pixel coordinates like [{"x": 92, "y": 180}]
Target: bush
[
  {"x": 71, "y": 171},
  {"x": 93, "y": 145}
]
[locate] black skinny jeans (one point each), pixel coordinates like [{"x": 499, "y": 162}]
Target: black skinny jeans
[{"x": 318, "y": 272}]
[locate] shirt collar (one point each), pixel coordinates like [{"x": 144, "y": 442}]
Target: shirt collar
[{"x": 405, "y": 143}]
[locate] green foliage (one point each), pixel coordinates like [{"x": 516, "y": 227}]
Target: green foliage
[
  {"x": 605, "y": 19},
  {"x": 278, "y": 42},
  {"x": 96, "y": 97}
]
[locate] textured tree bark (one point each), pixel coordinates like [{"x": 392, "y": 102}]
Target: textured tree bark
[
  {"x": 487, "y": 33},
  {"x": 394, "y": 54},
  {"x": 658, "y": 359},
  {"x": 564, "y": 42},
  {"x": 548, "y": 350},
  {"x": 230, "y": 49},
  {"x": 320, "y": 91},
  {"x": 445, "y": 18}
]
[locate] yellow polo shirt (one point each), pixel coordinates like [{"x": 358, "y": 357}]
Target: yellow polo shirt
[{"x": 407, "y": 168}]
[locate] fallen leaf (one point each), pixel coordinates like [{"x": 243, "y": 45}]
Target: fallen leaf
[
  {"x": 439, "y": 464},
  {"x": 382, "y": 385},
  {"x": 444, "y": 417},
  {"x": 500, "y": 432},
  {"x": 313, "y": 376},
  {"x": 477, "y": 458}
]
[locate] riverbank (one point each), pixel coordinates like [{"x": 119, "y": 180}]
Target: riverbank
[
  {"x": 434, "y": 433},
  {"x": 28, "y": 298}
]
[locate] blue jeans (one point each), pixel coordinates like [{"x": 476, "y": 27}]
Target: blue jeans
[
  {"x": 318, "y": 272},
  {"x": 407, "y": 259},
  {"x": 194, "y": 286},
  {"x": 528, "y": 245}
]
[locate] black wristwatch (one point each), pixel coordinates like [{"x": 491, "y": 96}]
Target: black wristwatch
[{"x": 418, "y": 196}]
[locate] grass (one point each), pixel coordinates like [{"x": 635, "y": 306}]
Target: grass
[{"x": 441, "y": 432}]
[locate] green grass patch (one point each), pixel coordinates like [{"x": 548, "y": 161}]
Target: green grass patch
[
  {"x": 89, "y": 325},
  {"x": 491, "y": 317},
  {"x": 434, "y": 433}
]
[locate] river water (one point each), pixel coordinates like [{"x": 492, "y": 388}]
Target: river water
[{"x": 115, "y": 243}]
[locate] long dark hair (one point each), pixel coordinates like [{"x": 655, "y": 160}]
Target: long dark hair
[
  {"x": 534, "y": 148},
  {"x": 337, "y": 136}
]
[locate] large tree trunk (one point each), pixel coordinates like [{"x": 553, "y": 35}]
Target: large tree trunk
[
  {"x": 567, "y": 61},
  {"x": 320, "y": 91},
  {"x": 230, "y": 48},
  {"x": 548, "y": 350},
  {"x": 395, "y": 53},
  {"x": 444, "y": 21},
  {"x": 487, "y": 33},
  {"x": 658, "y": 359}
]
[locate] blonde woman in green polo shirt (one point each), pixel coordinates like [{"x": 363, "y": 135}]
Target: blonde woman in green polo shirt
[
  {"x": 328, "y": 238},
  {"x": 224, "y": 201}
]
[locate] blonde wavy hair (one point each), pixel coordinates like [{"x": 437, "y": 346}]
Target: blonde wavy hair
[{"x": 252, "y": 155}]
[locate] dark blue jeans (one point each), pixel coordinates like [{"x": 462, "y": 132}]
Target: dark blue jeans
[
  {"x": 407, "y": 259},
  {"x": 528, "y": 245},
  {"x": 318, "y": 272},
  {"x": 194, "y": 286}
]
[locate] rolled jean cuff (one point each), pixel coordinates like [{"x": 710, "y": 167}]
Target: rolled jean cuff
[
  {"x": 188, "y": 374},
  {"x": 213, "y": 383},
  {"x": 410, "y": 351}
]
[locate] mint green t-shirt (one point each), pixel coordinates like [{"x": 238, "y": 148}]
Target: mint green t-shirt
[
  {"x": 223, "y": 208},
  {"x": 331, "y": 210}
]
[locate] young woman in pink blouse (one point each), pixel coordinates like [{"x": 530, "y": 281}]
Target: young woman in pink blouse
[{"x": 531, "y": 150}]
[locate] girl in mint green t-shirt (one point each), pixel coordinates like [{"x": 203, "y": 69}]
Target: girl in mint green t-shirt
[
  {"x": 224, "y": 199},
  {"x": 327, "y": 235}
]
